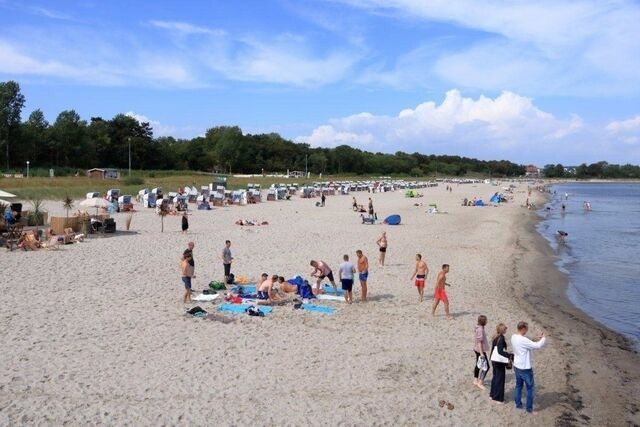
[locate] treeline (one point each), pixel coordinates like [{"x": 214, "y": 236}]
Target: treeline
[
  {"x": 70, "y": 142},
  {"x": 594, "y": 170}
]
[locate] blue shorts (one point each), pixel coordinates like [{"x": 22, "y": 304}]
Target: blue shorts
[
  {"x": 187, "y": 282},
  {"x": 347, "y": 284},
  {"x": 363, "y": 276},
  {"x": 263, "y": 295}
]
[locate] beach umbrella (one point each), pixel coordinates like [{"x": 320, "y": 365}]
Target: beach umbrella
[
  {"x": 4, "y": 202},
  {"x": 5, "y": 194},
  {"x": 94, "y": 202}
]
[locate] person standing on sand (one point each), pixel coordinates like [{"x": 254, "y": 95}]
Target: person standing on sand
[
  {"x": 355, "y": 204},
  {"x": 323, "y": 198},
  {"x": 382, "y": 245},
  {"x": 497, "y": 382},
  {"x": 371, "y": 213},
  {"x": 226, "y": 260},
  {"x": 187, "y": 269},
  {"x": 363, "y": 274},
  {"x": 522, "y": 365},
  {"x": 439, "y": 293},
  {"x": 185, "y": 222},
  {"x": 480, "y": 348},
  {"x": 420, "y": 273},
  {"x": 322, "y": 270},
  {"x": 345, "y": 273}
]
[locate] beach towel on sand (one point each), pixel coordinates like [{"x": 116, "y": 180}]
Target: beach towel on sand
[
  {"x": 205, "y": 298},
  {"x": 329, "y": 290},
  {"x": 241, "y": 308},
  {"x": 318, "y": 308},
  {"x": 326, "y": 297}
]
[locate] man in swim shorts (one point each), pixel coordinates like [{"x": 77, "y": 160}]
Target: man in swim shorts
[
  {"x": 320, "y": 271},
  {"x": 439, "y": 293},
  {"x": 420, "y": 273},
  {"x": 345, "y": 273},
  {"x": 382, "y": 244},
  {"x": 363, "y": 274},
  {"x": 265, "y": 290}
]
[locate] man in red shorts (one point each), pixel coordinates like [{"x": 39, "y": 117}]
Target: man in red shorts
[
  {"x": 439, "y": 293},
  {"x": 420, "y": 273}
]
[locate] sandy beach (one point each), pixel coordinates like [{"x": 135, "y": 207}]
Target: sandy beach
[{"x": 96, "y": 332}]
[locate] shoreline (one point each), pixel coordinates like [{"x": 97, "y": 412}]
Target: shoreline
[{"x": 601, "y": 377}]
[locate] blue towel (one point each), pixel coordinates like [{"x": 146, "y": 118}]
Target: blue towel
[
  {"x": 328, "y": 289},
  {"x": 240, "y": 308},
  {"x": 244, "y": 289},
  {"x": 319, "y": 308}
]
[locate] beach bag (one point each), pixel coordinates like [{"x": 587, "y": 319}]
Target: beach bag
[
  {"x": 497, "y": 357},
  {"x": 217, "y": 286},
  {"x": 253, "y": 311},
  {"x": 482, "y": 364},
  {"x": 195, "y": 310},
  {"x": 231, "y": 279},
  {"x": 305, "y": 290}
]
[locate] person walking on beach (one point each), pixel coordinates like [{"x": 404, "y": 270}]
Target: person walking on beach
[
  {"x": 226, "y": 260},
  {"x": 499, "y": 346},
  {"x": 371, "y": 213},
  {"x": 439, "y": 293},
  {"x": 420, "y": 273},
  {"x": 345, "y": 273},
  {"x": 320, "y": 271},
  {"x": 187, "y": 269},
  {"x": 363, "y": 274},
  {"x": 185, "y": 222},
  {"x": 382, "y": 245},
  {"x": 322, "y": 199},
  {"x": 480, "y": 348},
  {"x": 354, "y": 205},
  {"x": 523, "y": 366}
]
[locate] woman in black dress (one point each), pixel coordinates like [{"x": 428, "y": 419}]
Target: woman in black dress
[{"x": 497, "y": 382}]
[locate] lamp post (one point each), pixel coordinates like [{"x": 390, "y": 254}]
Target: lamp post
[
  {"x": 129, "y": 139},
  {"x": 27, "y": 168}
]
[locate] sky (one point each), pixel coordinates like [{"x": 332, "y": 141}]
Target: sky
[{"x": 534, "y": 82}]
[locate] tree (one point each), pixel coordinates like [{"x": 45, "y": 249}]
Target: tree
[
  {"x": 34, "y": 136},
  {"x": 11, "y": 104}
]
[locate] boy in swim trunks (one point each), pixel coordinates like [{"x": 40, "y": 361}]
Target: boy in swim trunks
[
  {"x": 420, "y": 273},
  {"x": 439, "y": 293},
  {"x": 265, "y": 290},
  {"x": 322, "y": 270},
  {"x": 363, "y": 274}
]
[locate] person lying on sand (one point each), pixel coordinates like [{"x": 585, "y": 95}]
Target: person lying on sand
[
  {"x": 286, "y": 287},
  {"x": 251, "y": 222}
]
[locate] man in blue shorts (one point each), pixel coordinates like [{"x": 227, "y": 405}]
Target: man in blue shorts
[
  {"x": 363, "y": 274},
  {"x": 346, "y": 272}
]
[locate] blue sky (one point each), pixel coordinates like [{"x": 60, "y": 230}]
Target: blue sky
[{"x": 533, "y": 82}]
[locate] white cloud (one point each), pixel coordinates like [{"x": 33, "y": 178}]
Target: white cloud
[
  {"x": 158, "y": 128},
  {"x": 284, "y": 60},
  {"x": 508, "y": 126},
  {"x": 545, "y": 47},
  {"x": 627, "y": 131},
  {"x": 184, "y": 28}
]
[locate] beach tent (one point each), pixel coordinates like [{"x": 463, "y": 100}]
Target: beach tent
[
  {"x": 392, "y": 220},
  {"x": 479, "y": 203}
]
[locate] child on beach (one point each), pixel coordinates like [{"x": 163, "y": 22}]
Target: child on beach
[{"x": 185, "y": 222}]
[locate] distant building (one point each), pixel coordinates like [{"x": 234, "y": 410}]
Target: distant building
[
  {"x": 103, "y": 173},
  {"x": 296, "y": 174},
  {"x": 570, "y": 170},
  {"x": 532, "y": 170}
]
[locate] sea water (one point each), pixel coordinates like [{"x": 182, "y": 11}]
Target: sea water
[{"x": 601, "y": 254}]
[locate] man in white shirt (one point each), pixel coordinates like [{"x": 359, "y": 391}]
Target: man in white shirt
[{"x": 522, "y": 347}]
